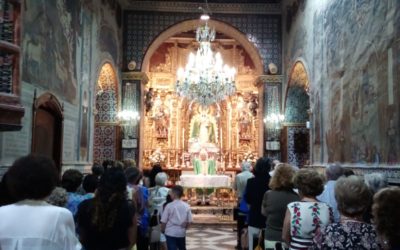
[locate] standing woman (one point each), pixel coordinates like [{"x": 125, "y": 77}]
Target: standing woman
[
  {"x": 305, "y": 217},
  {"x": 31, "y": 222},
  {"x": 108, "y": 221},
  {"x": 275, "y": 202},
  {"x": 255, "y": 189}
]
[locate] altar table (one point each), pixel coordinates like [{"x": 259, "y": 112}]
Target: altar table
[{"x": 205, "y": 181}]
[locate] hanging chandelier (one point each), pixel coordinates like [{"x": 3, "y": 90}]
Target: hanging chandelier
[{"x": 205, "y": 79}]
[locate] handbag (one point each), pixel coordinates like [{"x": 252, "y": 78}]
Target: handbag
[
  {"x": 155, "y": 234},
  {"x": 155, "y": 228}
]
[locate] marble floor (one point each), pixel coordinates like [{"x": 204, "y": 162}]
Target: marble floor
[{"x": 204, "y": 237}]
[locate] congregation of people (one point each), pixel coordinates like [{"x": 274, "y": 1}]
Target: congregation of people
[
  {"x": 117, "y": 207},
  {"x": 112, "y": 208},
  {"x": 283, "y": 207}
]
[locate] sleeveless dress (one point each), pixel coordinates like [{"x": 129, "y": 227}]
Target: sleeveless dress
[{"x": 305, "y": 219}]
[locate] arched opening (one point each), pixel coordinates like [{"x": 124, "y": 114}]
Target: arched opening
[
  {"x": 296, "y": 136},
  {"x": 220, "y": 27},
  {"x": 47, "y": 127},
  {"x": 171, "y": 126},
  {"x": 105, "y": 126}
]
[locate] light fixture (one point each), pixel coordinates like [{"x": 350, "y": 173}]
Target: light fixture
[
  {"x": 128, "y": 117},
  {"x": 274, "y": 124},
  {"x": 205, "y": 78},
  {"x": 274, "y": 121}
]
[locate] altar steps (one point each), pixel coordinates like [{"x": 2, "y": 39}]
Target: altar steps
[{"x": 212, "y": 215}]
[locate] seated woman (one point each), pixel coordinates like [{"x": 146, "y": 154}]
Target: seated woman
[
  {"x": 32, "y": 223},
  {"x": 275, "y": 202},
  {"x": 108, "y": 220},
  {"x": 303, "y": 218},
  {"x": 352, "y": 196}
]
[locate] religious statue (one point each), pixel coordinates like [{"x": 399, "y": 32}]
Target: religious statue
[
  {"x": 244, "y": 125},
  {"x": 203, "y": 140},
  {"x": 203, "y": 129},
  {"x": 161, "y": 118},
  {"x": 148, "y": 99}
]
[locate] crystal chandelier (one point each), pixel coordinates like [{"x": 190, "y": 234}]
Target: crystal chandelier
[{"x": 205, "y": 78}]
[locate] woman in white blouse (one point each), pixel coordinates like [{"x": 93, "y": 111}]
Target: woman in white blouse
[{"x": 32, "y": 223}]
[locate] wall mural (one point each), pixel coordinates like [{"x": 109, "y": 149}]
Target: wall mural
[
  {"x": 50, "y": 45},
  {"x": 352, "y": 52}
]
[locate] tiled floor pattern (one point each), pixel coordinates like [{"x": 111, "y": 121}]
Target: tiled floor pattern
[{"x": 201, "y": 237}]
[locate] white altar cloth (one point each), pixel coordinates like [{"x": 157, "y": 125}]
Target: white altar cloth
[{"x": 205, "y": 181}]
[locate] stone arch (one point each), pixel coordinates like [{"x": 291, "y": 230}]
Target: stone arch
[
  {"x": 297, "y": 104},
  {"x": 297, "y": 99},
  {"x": 105, "y": 124},
  {"x": 219, "y": 27}
]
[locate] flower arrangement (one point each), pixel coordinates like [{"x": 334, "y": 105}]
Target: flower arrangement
[
  {"x": 250, "y": 156},
  {"x": 157, "y": 156}
]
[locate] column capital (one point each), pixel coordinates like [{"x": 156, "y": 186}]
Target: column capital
[
  {"x": 263, "y": 79},
  {"x": 134, "y": 75}
]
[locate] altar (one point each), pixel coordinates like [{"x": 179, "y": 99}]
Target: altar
[
  {"x": 202, "y": 187},
  {"x": 205, "y": 181}
]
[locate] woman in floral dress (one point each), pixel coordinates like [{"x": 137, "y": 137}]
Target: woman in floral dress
[
  {"x": 351, "y": 232},
  {"x": 305, "y": 217}
]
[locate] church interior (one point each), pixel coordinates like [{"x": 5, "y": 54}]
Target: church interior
[{"x": 199, "y": 87}]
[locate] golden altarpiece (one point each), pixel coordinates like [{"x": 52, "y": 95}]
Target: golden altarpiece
[{"x": 176, "y": 131}]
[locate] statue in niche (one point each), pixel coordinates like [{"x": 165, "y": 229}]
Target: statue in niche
[
  {"x": 161, "y": 118},
  {"x": 203, "y": 130},
  {"x": 244, "y": 125},
  {"x": 253, "y": 104},
  {"x": 202, "y": 142},
  {"x": 148, "y": 99}
]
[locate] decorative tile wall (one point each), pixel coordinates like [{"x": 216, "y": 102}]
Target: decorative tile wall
[
  {"x": 297, "y": 104},
  {"x": 104, "y": 142},
  {"x": 105, "y": 134},
  {"x": 141, "y": 28},
  {"x": 298, "y": 146}
]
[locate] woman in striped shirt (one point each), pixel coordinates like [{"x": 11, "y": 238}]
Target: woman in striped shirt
[{"x": 303, "y": 218}]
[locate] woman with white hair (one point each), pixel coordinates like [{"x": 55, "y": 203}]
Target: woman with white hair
[
  {"x": 158, "y": 196},
  {"x": 351, "y": 232}
]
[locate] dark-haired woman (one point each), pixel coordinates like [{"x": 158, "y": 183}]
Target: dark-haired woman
[
  {"x": 71, "y": 181},
  {"x": 31, "y": 222},
  {"x": 254, "y": 194},
  {"x": 108, "y": 220}
]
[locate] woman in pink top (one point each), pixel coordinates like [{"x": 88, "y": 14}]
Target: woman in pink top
[{"x": 175, "y": 220}]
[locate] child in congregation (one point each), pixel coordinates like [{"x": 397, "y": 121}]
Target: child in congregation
[{"x": 175, "y": 220}]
